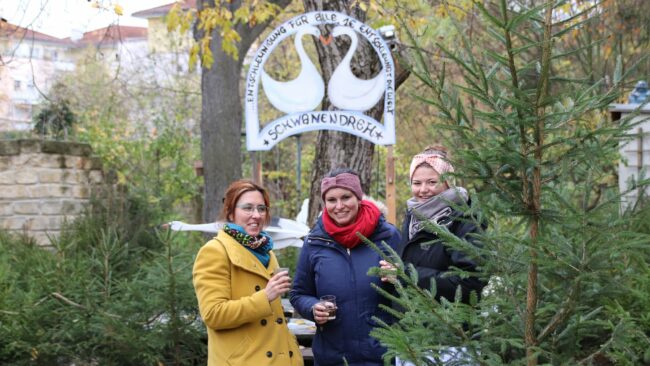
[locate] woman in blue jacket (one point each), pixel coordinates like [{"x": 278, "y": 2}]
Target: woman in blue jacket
[{"x": 334, "y": 261}]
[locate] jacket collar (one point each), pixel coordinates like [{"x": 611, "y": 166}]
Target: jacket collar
[
  {"x": 380, "y": 233},
  {"x": 240, "y": 257}
]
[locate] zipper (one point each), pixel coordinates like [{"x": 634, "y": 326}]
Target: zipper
[
  {"x": 331, "y": 241},
  {"x": 323, "y": 239}
]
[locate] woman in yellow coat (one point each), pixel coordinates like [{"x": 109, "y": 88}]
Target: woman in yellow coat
[{"x": 239, "y": 297}]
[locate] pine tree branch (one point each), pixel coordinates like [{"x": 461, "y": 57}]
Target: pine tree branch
[
  {"x": 79, "y": 306},
  {"x": 599, "y": 352},
  {"x": 561, "y": 316}
]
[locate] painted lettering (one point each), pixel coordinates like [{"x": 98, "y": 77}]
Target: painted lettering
[
  {"x": 297, "y": 22},
  {"x": 370, "y": 130},
  {"x": 326, "y": 17},
  {"x": 367, "y": 31},
  {"x": 359, "y": 125},
  {"x": 275, "y": 35},
  {"x": 352, "y": 122},
  {"x": 349, "y": 22}
]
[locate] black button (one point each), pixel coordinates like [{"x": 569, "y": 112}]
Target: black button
[
  {"x": 263, "y": 321},
  {"x": 257, "y": 288},
  {"x": 278, "y": 320},
  {"x": 290, "y": 353},
  {"x": 269, "y": 354}
]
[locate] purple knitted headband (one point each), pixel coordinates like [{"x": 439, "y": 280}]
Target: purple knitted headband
[{"x": 347, "y": 181}]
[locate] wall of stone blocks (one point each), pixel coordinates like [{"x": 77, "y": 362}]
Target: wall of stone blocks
[{"x": 43, "y": 184}]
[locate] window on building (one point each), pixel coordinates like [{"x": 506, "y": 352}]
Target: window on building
[
  {"x": 17, "y": 85},
  {"x": 37, "y": 52}
]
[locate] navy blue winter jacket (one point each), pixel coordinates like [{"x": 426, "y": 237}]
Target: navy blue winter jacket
[
  {"x": 433, "y": 260},
  {"x": 327, "y": 268}
]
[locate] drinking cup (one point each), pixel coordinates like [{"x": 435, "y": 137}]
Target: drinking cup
[
  {"x": 329, "y": 301},
  {"x": 280, "y": 269}
]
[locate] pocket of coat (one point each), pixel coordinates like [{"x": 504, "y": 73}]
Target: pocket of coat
[{"x": 238, "y": 355}]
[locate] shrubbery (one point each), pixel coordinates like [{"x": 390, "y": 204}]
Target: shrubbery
[{"x": 112, "y": 293}]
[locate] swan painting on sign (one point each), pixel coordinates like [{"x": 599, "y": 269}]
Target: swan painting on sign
[
  {"x": 299, "y": 98},
  {"x": 345, "y": 90},
  {"x": 303, "y": 93}
]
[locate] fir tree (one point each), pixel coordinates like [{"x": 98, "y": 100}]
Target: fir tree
[{"x": 537, "y": 148}]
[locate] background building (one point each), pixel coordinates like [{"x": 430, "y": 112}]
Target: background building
[{"x": 31, "y": 62}]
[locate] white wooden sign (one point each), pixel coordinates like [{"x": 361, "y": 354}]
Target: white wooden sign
[{"x": 299, "y": 98}]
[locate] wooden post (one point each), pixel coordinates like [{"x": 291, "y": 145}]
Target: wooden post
[
  {"x": 298, "y": 172},
  {"x": 390, "y": 186},
  {"x": 639, "y": 152},
  {"x": 256, "y": 167}
]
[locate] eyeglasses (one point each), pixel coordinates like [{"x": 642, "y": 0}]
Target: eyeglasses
[{"x": 249, "y": 208}]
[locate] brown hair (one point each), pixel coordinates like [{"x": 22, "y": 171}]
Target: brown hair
[
  {"x": 431, "y": 149},
  {"x": 235, "y": 191}
]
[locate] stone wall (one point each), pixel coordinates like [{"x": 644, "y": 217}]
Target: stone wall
[{"x": 44, "y": 183}]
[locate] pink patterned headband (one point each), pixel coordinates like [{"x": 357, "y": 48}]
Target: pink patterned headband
[
  {"x": 344, "y": 180},
  {"x": 434, "y": 159}
]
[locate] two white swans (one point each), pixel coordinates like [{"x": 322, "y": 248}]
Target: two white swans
[{"x": 305, "y": 92}]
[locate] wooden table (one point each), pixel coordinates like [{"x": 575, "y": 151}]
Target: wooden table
[{"x": 304, "y": 337}]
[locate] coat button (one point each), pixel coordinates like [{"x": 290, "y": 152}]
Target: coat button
[
  {"x": 278, "y": 320},
  {"x": 269, "y": 354},
  {"x": 257, "y": 288},
  {"x": 263, "y": 321},
  {"x": 290, "y": 353}
]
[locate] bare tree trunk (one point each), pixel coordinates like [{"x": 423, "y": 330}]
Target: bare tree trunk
[
  {"x": 536, "y": 207},
  {"x": 221, "y": 112},
  {"x": 335, "y": 149}
]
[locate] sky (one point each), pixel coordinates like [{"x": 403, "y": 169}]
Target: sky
[{"x": 70, "y": 18}]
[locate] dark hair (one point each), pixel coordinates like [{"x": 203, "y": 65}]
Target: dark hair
[
  {"x": 235, "y": 191},
  {"x": 340, "y": 170}
]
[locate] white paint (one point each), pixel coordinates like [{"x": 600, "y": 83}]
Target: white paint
[
  {"x": 345, "y": 90},
  {"x": 633, "y": 166},
  {"x": 305, "y": 92},
  {"x": 351, "y": 121}
]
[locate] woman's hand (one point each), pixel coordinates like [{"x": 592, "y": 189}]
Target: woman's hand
[
  {"x": 388, "y": 267},
  {"x": 278, "y": 285},
  {"x": 321, "y": 314}
]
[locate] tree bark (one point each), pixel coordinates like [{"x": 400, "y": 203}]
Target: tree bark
[
  {"x": 337, "y": 149},
  {"x": 222, "y": 111}
]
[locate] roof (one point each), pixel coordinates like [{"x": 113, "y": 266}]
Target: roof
[
  {"x": 162, "y": 10},
  {"x": 112, "y": 34},
  {"x": 8, "y": 30}
]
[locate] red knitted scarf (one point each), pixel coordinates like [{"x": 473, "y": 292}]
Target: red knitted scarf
[{"x": 365, "y": 223}]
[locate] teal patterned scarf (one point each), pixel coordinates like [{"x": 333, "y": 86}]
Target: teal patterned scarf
[{"x": 260, "y": 246}]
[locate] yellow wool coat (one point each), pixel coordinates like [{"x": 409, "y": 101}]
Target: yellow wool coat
[{"x": 243, "y": 327}]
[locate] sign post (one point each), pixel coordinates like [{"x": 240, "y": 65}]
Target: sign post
[{"x": 390, "y": 186}]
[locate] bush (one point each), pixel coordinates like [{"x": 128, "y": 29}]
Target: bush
[{"x": 110, "y": 294}]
